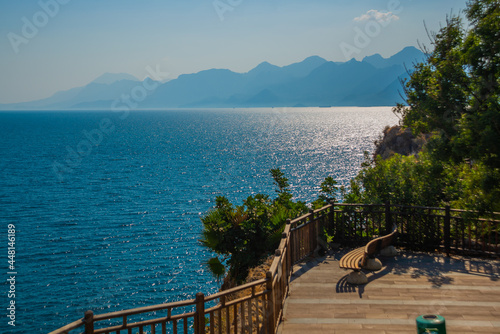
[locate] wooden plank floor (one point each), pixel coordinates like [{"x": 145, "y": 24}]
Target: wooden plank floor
[{"x": 466, "y": 292}]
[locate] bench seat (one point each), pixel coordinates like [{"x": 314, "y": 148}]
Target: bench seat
[
  {"x": 364, "y": 257},
  {"x": 352, "y": 260}
]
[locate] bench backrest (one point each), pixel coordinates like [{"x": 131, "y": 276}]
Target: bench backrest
[{"x": 380, "y": 243}]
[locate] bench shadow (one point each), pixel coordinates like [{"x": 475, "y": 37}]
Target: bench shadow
[{"x": 344, "y": 287}]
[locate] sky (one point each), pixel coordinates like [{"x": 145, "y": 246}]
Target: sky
[{"x": 51, "y": 45}]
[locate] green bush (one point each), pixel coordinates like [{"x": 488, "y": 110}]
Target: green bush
[{"x": 243, "y": 235}]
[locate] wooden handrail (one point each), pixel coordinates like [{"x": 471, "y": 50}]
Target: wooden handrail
[
  {"x": 69, "y": 327},
  {"x": 235, "y": 289},
  {"x": 145, "y": 309}
]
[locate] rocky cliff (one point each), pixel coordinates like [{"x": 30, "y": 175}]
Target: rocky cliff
[{"x": 399, "y": 140}]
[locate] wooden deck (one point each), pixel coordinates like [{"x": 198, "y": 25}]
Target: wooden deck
[{"x": 466, "y": 292}]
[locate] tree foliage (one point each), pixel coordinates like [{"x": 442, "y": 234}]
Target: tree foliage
[
  {"x": 454, "y": 96},
  {"x": 245, "y": 234},
  {"x": 328, "y": 193}
]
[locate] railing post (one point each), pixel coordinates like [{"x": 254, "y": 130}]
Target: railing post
[
  {"x": 370, "y": 217},
  {"x": 290, "y": 242},
  {"x": 340, "y": 225},
  {"x": 89, "y": 322},
  {"x": 288, "y": 250},
  {"x": 388, "y": 217},
  {"x": 271, "y": 323},
  {"x": 312, "y": 231},
  {"x": 447, "y": 229},
  {"x": 331, "y": 217},
  {"x": 199, "y": 321}
]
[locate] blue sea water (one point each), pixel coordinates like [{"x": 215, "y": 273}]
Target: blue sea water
[{"x": 107, "y": 206}]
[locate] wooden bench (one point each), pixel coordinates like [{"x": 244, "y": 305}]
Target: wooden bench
[{"x": 364, "y": 258}]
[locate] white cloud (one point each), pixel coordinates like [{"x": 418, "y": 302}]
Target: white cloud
[{"x": 376, "y": 15}]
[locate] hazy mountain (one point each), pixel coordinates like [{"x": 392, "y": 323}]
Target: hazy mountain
[
  {"x": 305, "y": 67},
  {"x": 264, "y": 68},
  {"x": 81, "y": 96},
  {"x": 311, "y": 82},
  {"x": 109, "y": 78},
  {"x": 108, "y": 86},
  {"x": 51, "y": 102},
  {"x": 189, "y": 88},
  {"x": 375, "y": 60},
  {"x": 406, "y": 57}
]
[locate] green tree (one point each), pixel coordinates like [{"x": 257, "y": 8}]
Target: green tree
[
  {"x": 280, "y": 181},
  {"x": 216, "y": 267},
  {"x": 328, "y": 193},
  {"x": 244, "y": 235},
  {"x": 436, "y": 91},
  {"x": 481, "y": 51},
  {"x": 454, "y": 97},
  {"x": 455, "y": 94}
]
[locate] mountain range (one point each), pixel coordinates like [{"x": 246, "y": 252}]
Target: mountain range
[{"x": 374, "y": 81}]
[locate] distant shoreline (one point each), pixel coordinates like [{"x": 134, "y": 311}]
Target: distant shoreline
[{"x": 199, "y": 109}]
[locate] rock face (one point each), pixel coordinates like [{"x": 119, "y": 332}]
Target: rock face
[
  {"x": 398, "y": 140},
  {"x": 357, "y": 278},
  {"x": 389, "y": 251},
  {"x": 373, "y": 265}
]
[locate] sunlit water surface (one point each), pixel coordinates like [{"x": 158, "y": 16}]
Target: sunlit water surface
[{"x": 117, "y": 226}]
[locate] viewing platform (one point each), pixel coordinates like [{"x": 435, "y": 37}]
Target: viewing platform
[
  {"x": 465, "y": 291},
  {"x": 302, "y": 294}
]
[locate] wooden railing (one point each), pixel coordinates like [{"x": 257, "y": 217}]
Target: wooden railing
[{"x": 257, "y": 307}]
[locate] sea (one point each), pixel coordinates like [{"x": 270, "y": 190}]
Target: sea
[{"x": 102, "y": 210}]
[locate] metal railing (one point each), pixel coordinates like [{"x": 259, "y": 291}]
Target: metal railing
[{"x": 257, "y": 307}]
